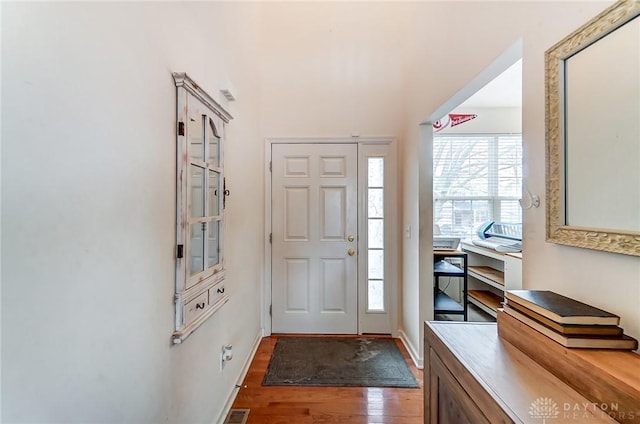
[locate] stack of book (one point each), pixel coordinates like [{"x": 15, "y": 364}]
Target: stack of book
[{"x": 569, "y": 322}]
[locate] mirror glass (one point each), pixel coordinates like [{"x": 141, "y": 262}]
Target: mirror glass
[
  {"x": 593, "y": 133},
  {"x": 602, "y": 132}
]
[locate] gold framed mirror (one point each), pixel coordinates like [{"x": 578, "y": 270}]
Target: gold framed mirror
[{"x": 593, "y": 133}]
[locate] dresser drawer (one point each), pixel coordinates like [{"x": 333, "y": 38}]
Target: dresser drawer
[
  {"x": 196, "y": 306},
  {"x": 217, "y": 293}
]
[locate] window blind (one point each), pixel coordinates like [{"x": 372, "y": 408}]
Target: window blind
[{"x": 476, "y": 178}]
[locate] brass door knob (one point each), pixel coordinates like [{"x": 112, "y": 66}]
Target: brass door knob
[
  {"x": 351, "y": 238},
  {"x": 351, "y": 252}
]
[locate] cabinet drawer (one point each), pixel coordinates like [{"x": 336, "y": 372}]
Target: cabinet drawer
[
  {"x": 449, "y": 403},
  {"x": 216, "y": 293},
  {"x": 197, "y": 306}
]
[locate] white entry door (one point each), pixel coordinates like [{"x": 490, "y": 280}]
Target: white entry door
[{"x": 314, "y": 238}]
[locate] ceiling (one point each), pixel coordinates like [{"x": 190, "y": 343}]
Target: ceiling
[{"x": 504, "y": 91}]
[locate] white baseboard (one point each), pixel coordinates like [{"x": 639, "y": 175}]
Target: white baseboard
[
  {"x": 413, "y": 352},
  {"x": 243, "y": 374}
]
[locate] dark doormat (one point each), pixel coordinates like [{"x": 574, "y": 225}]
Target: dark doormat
[{"x": 338, "y": 361}]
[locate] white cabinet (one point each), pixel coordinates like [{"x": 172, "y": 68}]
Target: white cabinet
[
  {"x": 490, "y": 273},
  {"x": 200, "y": 199}
]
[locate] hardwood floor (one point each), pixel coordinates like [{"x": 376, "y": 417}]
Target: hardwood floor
[{"x": 326, "y": 405}]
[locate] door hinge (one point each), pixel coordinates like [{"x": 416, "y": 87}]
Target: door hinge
[
  {"x": 179, "y": 251},
  {"x": 270, "y": 237},
  {"x": 270, "y": 310},
  {"x": 270, "y": 166},
  {"x": 180, "y": 128}
]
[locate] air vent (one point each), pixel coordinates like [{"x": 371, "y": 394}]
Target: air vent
[{"x": 237, "y": 416}]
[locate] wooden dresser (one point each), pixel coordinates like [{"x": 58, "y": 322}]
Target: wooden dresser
[{"x": 474, "y": 376}]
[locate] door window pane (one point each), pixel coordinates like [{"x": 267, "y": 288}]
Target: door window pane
[
  {"x": 214, "y": 191},
  {"x": 376, "y": 172},
  {"x": 214, "y": 145},
  {"x": 375, "y": 233},
  {"x": 376, "y": 264},
  {"x": 196, "y": 248},
  {"x": 195, "y": 132},
  {"x": 375, "y": 295},
  {"x": 197, "y": 191},
  {"x": 213, "y": 240},
  {"x": 375, "y": 203}
]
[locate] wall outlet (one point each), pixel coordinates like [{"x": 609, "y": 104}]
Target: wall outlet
[{"x": 226, "y": 355}]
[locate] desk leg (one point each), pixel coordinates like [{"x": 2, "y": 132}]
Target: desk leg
[{"x": 465, "y": 290}]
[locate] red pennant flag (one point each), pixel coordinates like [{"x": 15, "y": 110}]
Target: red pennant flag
[
  {"x": 452, "y": 120},
  {"x": 457, "y": 119}
]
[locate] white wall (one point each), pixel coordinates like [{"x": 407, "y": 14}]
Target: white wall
[
  {"x": 332, "y": 68},
  {"x": 88, "y": 195}
]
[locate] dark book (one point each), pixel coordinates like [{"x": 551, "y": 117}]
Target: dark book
[
  {"x": 568, "y": 329},
  {"x": 621, "y": 342},
  {"x": 560, "y": 309}
]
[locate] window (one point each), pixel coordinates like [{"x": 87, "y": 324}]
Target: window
[
  {"x": 476, "y": 179},
  {"x": 375, "y": 234},
  {"x": 200, "y": 184},
  {"x": 377, "y": 243}
]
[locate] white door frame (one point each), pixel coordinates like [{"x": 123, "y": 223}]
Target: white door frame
[{"x": 367, "y": 146}]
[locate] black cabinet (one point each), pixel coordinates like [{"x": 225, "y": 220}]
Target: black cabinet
[{"x": 442, "y": 303}]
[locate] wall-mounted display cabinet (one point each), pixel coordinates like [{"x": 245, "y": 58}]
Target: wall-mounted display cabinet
[{"x": 200, "y": 198}]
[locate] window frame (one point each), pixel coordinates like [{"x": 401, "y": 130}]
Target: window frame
[
  {"x": 493, "y": 197},
  {"x": 199, "y": 295},
  {"x": 381, "y": 218}
]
